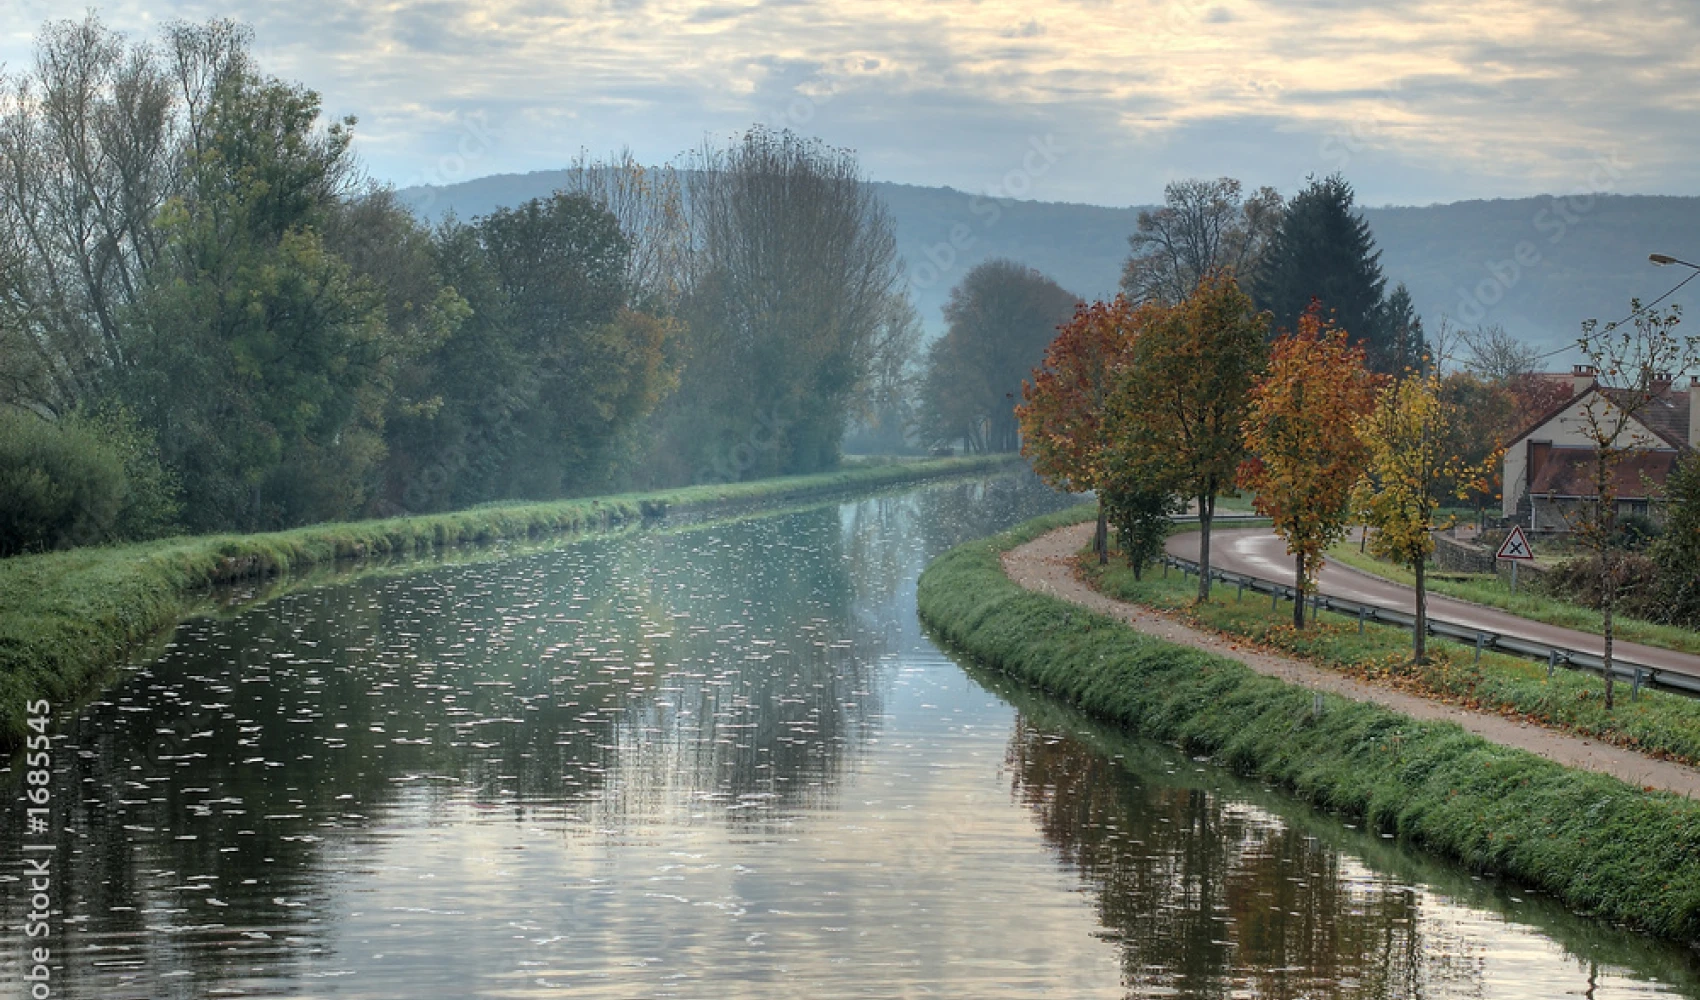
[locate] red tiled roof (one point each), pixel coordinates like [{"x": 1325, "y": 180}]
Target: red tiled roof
[
  {"x": 1569, "y": 472},
  {"x": 1666, "y": 415}
]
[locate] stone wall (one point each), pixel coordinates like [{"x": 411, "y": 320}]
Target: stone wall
[{"x": 1453, "y": 556}]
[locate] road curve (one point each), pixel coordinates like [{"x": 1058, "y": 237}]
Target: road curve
[
  {"x": 1260, "y": 552},
  {"x": 1046, "y": 565}
]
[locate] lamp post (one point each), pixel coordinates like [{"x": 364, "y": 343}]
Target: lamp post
[{"x": 1662, "y": 259}]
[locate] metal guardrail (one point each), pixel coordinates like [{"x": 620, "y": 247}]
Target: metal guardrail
[{"x": 1638, "y": 675}]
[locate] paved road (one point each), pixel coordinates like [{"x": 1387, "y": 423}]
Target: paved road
[
  {"x": 1260, "y": 552},
  {"x": 1046, "y": 565}
]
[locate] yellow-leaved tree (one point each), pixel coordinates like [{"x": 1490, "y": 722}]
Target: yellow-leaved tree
[{"x": 1415, "y": 465}]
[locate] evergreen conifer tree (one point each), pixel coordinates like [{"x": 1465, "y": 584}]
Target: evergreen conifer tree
[
  {"x": 1403, "y": 346},
  {"x": 1324, "y": 250}
]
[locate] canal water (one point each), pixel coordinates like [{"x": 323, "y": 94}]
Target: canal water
[{"x": 711, "y": 761}]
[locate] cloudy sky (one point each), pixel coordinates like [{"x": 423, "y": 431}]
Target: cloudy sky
[{"x": 1417, "y": 101}]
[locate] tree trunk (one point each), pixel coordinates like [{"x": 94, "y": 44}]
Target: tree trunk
[
  {"x": 1419, "y": 639},
  {"x": 1299, "y": 596},
  {"x": 1607, "y": 605},
  {"x": 1206, "y": 514},
  {"x": 1101, "y": 536}
]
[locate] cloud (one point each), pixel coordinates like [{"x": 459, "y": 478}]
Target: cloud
[{"x": 1428, "y": 97}]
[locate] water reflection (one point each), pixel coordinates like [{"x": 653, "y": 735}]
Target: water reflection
[
  {"x": 1217, "y": 888},
  {"x": 716, "y": 760}
]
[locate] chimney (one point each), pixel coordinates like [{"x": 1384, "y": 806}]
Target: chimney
[{"x": 1581, "y": 377}]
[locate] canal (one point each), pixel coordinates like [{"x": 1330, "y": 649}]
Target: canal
[{"x": 716, "y": 760}]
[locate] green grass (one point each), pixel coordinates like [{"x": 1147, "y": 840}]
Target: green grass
[
  {"x": 1595, "y": 843},
  {"x": 1657, "y": 723},
  {"x": 1490, "y": 591},
  {"x": 67, "y": 617}
]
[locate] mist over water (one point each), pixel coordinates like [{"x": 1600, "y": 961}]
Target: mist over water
[{"x": 717, "y": 760}]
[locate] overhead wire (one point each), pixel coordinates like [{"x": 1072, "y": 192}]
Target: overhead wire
[{"x": 1612, "y": 326}]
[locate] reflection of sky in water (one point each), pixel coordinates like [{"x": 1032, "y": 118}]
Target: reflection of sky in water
[{"x": 714, "y": 762}]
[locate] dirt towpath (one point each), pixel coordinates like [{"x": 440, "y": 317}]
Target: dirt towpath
[{"x": 1046, "y": 565}]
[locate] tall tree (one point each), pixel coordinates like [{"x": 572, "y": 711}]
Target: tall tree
[
  {"x": 788, "y": 286},
  {"x": 1404, "y": 347},
  {"x": 1496, "y": 355},
  {"x": 1324, "y": 250},
  {"x": 649, "y": 205},
  {"x": 885, "y": 409},
  {"x": 1001, "y": 316},
  {"x": 1063, "y": 414},
  {"x": 263, "y": 363},
  {"x": 562, "y": 264},
  {"x": 1181, "y": 401},
  {"x": 1203, "y": 228},
  {"x": 1636, "y": 364},
  {"x": 1305, "y": 453},
  {"x": 1414, "y": 467},
  {"x": 96, "y": 138}
]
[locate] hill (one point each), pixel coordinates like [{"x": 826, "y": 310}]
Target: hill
[{"x": 1538, "y": 266}]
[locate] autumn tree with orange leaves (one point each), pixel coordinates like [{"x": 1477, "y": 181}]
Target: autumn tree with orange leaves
[
  {"x": 1301, "y": 429},
  {"x": 1063, "y": 429},
  {"x": 1180, "y": 403}
]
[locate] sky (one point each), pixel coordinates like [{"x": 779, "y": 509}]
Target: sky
[{"x": 1415, "y": 101}]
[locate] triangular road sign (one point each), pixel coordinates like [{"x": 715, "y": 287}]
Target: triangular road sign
[{"x": 1515, "y": 545}]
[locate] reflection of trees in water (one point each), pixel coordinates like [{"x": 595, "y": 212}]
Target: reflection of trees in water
[
  {"x": 961, "y": 512},
  {"x": 250, "y": 765},
  {"x": 769, "y": 682},
  {"x": 552, "y": 680},
  {"x": 1215, "y": 898},
  {"x": 210, "y": 783}
]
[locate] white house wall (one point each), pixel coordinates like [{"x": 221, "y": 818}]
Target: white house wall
[{"x": 1568, "y": 429}]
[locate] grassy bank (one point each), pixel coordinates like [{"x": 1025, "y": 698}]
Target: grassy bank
[
  {"x": 1657, "y": 723},
  {"x": 1495, "y": 593},
  {"x": 1597, "y": 844},
  {"x": 67, "y": 617}
]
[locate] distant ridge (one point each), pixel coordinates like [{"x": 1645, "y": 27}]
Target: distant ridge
[{"x": 1538, "y": 266}]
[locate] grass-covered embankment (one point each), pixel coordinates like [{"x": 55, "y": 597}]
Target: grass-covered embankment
[
  {"x": 1527, "y": 603},
  {"x": 1657, "y": 722},
  {"x": 1595, "y": 843},
  {"x": 66, "y": 617}
]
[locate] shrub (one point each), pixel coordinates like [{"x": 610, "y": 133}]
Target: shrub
[
  {"x": 151, "y": 505},
  {"x": 90, "y": 477},
  {"x": 1581, "y": 580},
  {"x": 1636, "y": 532},
  {"x": 1677, "y": 551},
  {"x": 61, "y": 484}
]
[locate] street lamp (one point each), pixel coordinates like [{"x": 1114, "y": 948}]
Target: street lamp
[{"x": 1662, "y": 259}]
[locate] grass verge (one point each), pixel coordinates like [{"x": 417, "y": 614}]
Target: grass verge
[
  {"x": 1490, "y": 591},
  {"x": 67, "y": 617},
  {"x": 1657, "y": 723},
  {"x": 1595, "y": 843}
]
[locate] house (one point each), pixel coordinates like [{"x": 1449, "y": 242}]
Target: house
[{"x": 1548, "y": 468}]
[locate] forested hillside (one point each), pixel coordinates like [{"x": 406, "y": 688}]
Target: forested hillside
[{"x": 1589, "y": 253}]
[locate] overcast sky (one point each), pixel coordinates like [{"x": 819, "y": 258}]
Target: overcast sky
[{"x": 1416, "y": 101}]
